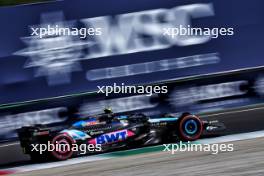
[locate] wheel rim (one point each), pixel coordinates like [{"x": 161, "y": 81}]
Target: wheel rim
[
  {"x": 191, "y": 127},
  {"x": 62, "y": 153}
]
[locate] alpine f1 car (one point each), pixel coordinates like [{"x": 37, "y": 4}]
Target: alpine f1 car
[{"x": 115, "y": 132}]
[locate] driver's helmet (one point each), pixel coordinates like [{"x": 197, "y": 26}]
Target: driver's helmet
[{"x": 108, "y": 111}]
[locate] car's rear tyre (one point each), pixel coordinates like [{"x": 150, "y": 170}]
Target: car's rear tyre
[
  {"x": 60, "y": 152},
  {"x": 190, "y": 128}
]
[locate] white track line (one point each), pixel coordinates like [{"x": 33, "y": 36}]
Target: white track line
[
  {"x": 233, "y": 137},
  {"x": 6, "y": 145},
  {"x": 233, "y": 112}
]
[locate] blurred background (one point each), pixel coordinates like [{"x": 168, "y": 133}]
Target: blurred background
[{"x": 47, "y": 80}]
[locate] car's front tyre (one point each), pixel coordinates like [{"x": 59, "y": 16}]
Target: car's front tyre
[{"x": 190, "y": 128}]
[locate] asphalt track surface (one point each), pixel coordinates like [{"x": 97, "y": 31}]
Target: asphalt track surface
[{"x": 248, "y": 159}]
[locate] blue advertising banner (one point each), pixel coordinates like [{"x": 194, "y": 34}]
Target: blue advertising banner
[{"x": 119, "y": 41}]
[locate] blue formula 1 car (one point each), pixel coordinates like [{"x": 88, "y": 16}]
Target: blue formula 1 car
[{"x": 110, "y": 132}]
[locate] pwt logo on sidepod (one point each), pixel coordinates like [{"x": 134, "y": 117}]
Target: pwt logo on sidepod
[{"x": 112, "y": 137}]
